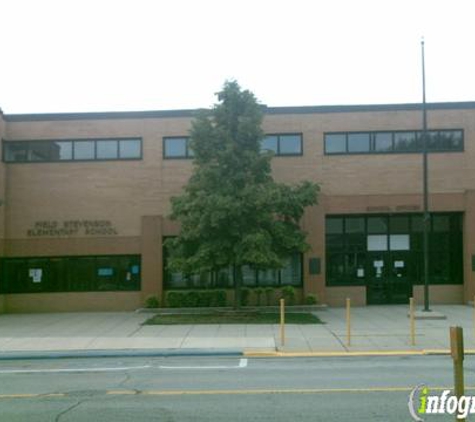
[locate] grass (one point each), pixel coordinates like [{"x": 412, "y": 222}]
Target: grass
[{"x": 234, "y": 318}]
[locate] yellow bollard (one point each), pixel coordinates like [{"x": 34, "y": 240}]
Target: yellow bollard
[
  {"x": 457, "y": 352},
  {"x": 348, "y": 322},
  {"x": 412, "y": 320},
  {"x": 282, "y": 322}
]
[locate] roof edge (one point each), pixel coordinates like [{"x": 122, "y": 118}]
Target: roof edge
[{"x": 150, "y": 114}]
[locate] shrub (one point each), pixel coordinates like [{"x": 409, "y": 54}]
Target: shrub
[
  {"x": 195, "y": 298},
  {"x": 174, "y": 299},
  {"x": 220, "y": 298},
  {"x": 152, "y": 302},
  {"x": 311, "y": 299},
  {"x": 288, "y": 293},
  {"x": 269, "y": 291},
  {"x": 258, "y": 292},
  {"x": 245, "y": 293}
]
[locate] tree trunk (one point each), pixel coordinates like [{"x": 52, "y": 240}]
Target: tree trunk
[{"x": 237, "y": 287}]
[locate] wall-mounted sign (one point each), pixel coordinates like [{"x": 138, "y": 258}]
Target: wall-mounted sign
[{"x": 55, "y": 228}]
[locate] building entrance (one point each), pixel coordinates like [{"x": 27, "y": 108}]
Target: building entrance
[
  {"x": 384, "y": 253},
  {"x": 388, "y": 277}
]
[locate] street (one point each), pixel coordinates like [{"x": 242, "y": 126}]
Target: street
[{"x": 220, "y": 388}]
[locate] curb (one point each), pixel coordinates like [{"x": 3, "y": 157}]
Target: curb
[
  {"x": 368, "y": 353},
  {"x": 78, "y": 354}
]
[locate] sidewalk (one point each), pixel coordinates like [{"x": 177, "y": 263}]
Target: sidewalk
[{"x": 382, "y": 329}]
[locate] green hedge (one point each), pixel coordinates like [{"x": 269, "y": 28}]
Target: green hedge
[{"x": 195, "y": 298}]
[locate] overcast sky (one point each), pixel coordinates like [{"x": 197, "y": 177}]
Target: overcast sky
[{"x": 101, "y": 55}]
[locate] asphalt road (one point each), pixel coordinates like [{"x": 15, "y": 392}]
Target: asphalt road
[{"x": 220, "y": 388}]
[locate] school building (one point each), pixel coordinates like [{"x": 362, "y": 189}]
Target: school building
[{"x": 84, "y": 200}]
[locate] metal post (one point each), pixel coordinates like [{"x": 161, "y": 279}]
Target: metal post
[
  {"x": 426, "y": 218},
  {"x": 412, "y": 320},
  {"x": 282, "y": 322},
  {"x": 348, "y": 322},
  {"x": 456, "y": 349}
]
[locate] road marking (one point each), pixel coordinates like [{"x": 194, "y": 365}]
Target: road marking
[
  {"x": 53, "y": 371},
  {"x": 286, "y": 391},
  {"x": 273, "y": 391},
  {"x": 29, "y": 396},
  {"x": 242, "y": 364}
]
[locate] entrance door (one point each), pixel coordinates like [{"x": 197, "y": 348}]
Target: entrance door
[{"x": 387, "y": 277}]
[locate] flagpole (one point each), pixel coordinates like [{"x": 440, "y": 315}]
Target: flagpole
[{"x": 426, "y": 218}]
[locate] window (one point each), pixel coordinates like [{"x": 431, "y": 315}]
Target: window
[
  {"x": 70, "y": 274},
  {"x": 130, "y": 148},
  {"x": 358, "y": 142},
  {"x": 177, "y": 147},
  {"x": 107, "y": 150},
  {"x": 290, "y": 274},
  {"x": 84, "y": 150},
  {"x": 283, "y": 144},
  {"x": 383, "y": 142},
  {"x": 444, "y": 140},
  {"x": 49, "y": 151},
  {"x": 335, "y": 143},
  {"x": 352, "y": 242}
]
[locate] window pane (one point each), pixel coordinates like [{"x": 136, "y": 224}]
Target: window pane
[
  {"x": 334, "y": 225},
  {"x": 399, "y": 242},
  {"x": 175, "y": 147},
  {"x": 248, "y": 276},
  {"x": 449, "y": 140},
  {"x": 292, "y": 271},
  {"x": 290, "y": 144},
  {"x": 84, "y": 150},
  {"x": 383, "y": 141},
  {"x": 399, "y": 224},
  {"x": 406, "y": 141},
  {"x": 41, "y": 151},
  {"x": 107, "y": 150},
  {"x": 268, "y": 277},
  {"x": 63, "y": 150},
  {"x": 269, "y": 143},
  {"x": 130, "y": 148},
  {"x": 354, "y": 225},
  {"x": 16, "y": 152},
  {"x": 335, "y": 143},
  {"x": 358, "y": 142},
  {"x": 377, "y": 242},
  {"x": 441, "y": 223},
  {"x": 377, "y": 225}
]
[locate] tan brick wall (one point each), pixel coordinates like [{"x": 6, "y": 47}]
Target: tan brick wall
[
  {"x": 73, "y": 302},
  {"x": 126, "y": 191},
  {"x": 336, "y": 296},
  {"x": 440, "y": 295},
  {"x": 2, "y": 201}
]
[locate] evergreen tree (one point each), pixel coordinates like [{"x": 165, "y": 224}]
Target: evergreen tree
[{"x": 232, "y": 212}]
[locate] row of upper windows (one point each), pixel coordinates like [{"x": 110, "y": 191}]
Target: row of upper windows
[
  {"x": 393, "y": 141},
  {"x": 72, "y": 150},
  {"x": 289, "y": 144},
  {"x": 279, "y": 144}
]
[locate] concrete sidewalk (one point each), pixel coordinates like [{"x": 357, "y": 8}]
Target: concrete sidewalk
[{"x": 380, "y": 329}]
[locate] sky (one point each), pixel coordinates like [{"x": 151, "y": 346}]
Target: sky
[{"x": 103, "y": 55}]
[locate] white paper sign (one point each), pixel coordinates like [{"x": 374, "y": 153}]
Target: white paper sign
[
  {"x": 36, "y": 274},
  {"x": 398, "y": 264},
  {"x": 360, "y": 272},
  {"x": 378, "y": 264}
]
